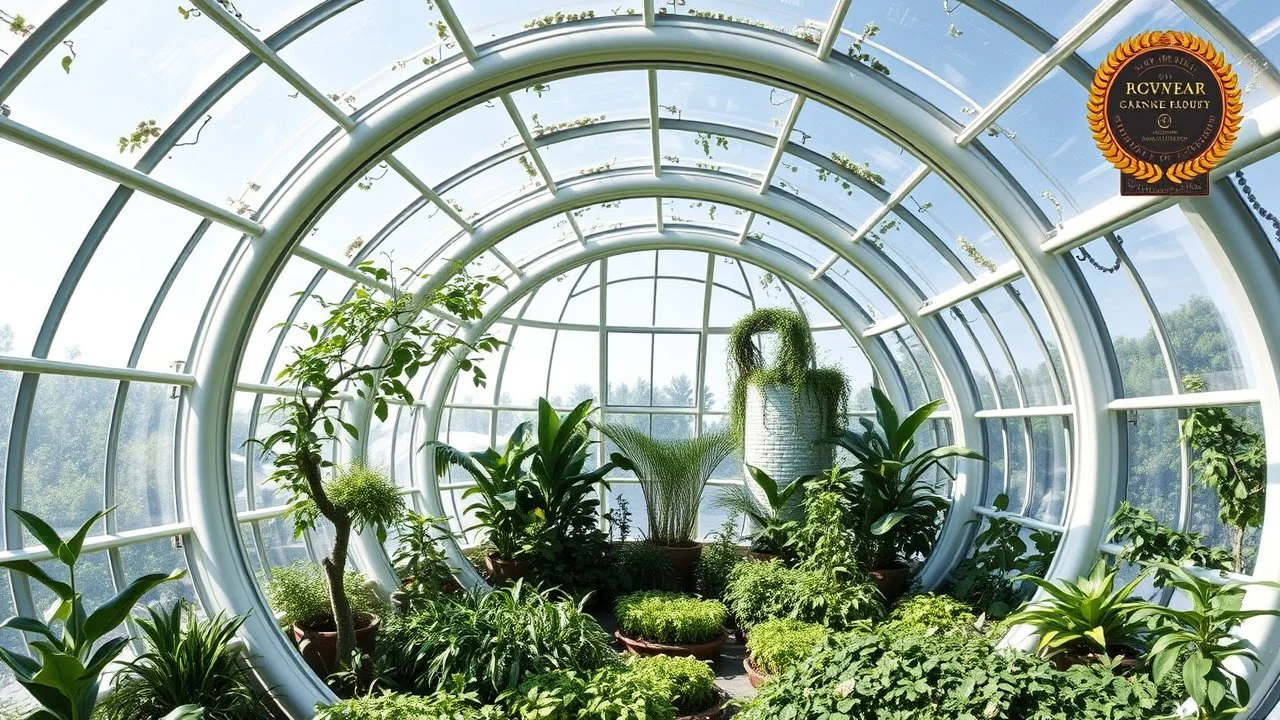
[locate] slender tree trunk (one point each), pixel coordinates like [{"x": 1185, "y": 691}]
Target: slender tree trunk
[
  {"x": 1237, "y": 548},
  {"x": 334, "y": 567}
]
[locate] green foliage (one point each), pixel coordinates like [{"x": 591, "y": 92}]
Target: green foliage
[
  {"x": 493, "y": 640},
  {"x": 1231, "y": 459},
  {"x": 392, "y": 706},
  {"x": 499, "y": 477},
  {"x": 669, "y": 617},
  {"x": 927, "y": 614},
  {"x": 299, "y": 592},
  {"x": 718, "y": 560},
  {"x": 689, "y": 682},
  {"x": 1087, "y": 616},
  {"x": 760, "y": 591},
  {"x": 140, "y": 136},
  {"x": 1200, "y": 639},
  {"x": 1147, "y": 542},
  {"x": 827, "y": 541},
  {"x": 419, "y": 560},
  {"x": 986, "y": 579},
  {"x": 673, "y": 475},
  {"x": 64, "y": 675},
  {"x": 898, "y": 510},
  {"x": 366, "y": 495},
  {"x": 187, "y": 660},
  {"x": 614, "y": 692},
  {"x": 778, "y": 645},
  {"x": 793, "y": 365},
  {"x": 641, "y": 566},
  {"x": 774, "y": 518}
]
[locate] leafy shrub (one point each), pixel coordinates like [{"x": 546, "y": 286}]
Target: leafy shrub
[
  {"x": 394, "y": 706},
  {"x": 761, "y": 591},
  {"x": 688, "y": 682},
  {"x": 986, "y": 579},
  {"x": 780, "y": 644},
  {"x": 928, "y": 613},
  {"x": 494, "y": 640},
  {"x": 641, "y": 566},
  {"x": 1089, "y": 615},
  {"x": 718, "y": 560},
  {"x": 300, "y": 592},
  {"x": 669, "y": 617},
  {"x": 611, "y": 693},
  {"x": 187, "y": 660}
]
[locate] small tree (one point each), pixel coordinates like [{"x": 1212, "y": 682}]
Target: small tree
[
  {"x": 312, "y": 415},
  {"x": 1231, "y": 459}
]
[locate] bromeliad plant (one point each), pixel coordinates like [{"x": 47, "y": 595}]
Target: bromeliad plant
[
  {"x": 311, "y": 417},
  {"x": 1201, "y": 638},
  {"x": 899, "y": 512},
  {"x": 1087, "y": 617},
  {"x": 774, "y": 519},
  {"x": 64, "y": 675}
]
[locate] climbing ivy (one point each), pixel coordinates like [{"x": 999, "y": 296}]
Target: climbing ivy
[
  {"x": 856, "y": 52},
  {"x": 975, "y": 254},
  {"x": 557, "y": 18},
  {"x": 141, "y": 135}
]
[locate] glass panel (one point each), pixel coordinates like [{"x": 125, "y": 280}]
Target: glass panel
[
  {"x": 62, "y": 475},
  {"x": 715, "y": 152},
  {"x": 630, "y": 369},
  {"x": 575, "y": 368},
  {"x": 953, "y": 220},
  {"x": 144, "y": 466},
  {"x": 159, "y": 556},
  {"x": 723, "y": 100},
  {"x": 995, "y": 452},
  {"x": 1050, "y": 470},
  {"x": 675, "y": 370},
  {"x": 1155, "y": 463}
]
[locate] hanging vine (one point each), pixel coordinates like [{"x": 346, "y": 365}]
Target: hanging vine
[
  {"x": 18, "y": 25},
  {"x": 856, "y": 52},
  {"x": 140, "y": 137},
  {"x": 558, "y": 18},
  {"x": 975, "y": 254},
  {"x": 366, "y": 183},
  {"x": 193, "y": 12}
]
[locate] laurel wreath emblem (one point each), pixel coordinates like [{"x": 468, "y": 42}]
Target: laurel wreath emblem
[{"x": 1178, "y": 172}]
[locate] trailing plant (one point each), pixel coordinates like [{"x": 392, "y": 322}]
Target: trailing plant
[
  {"x": 776, "y": 646},
  {"x": 1231, "y": 459},
  {"x": 71, "y": 645},
  {"x": 299, "y": 592},
  {"x": 718, "y": 560},
  {"x": 619, "y": 521},
  {"x": 493, "y": 640},
  {"x": 641, "y": 566},
  {"x": 774, "y": 519},
  {"x": 673, "y": 475},
  {"x": 689, "y": 682},
  {"x": 793, "y": 366},
  {"x": 759, "y": 591},
  {"x": 188, "y": 660},
  {"x": 1088, "y": 616},
  {"x": 1200, "y": 639},
  {"x": 1147, "y": 542},
  {"x": 310, "y": 417},
  {"x": 899, "y": 512},
  {"x": 928, "y": 614},
  {"x": 669, "y": 617},
  {"x": 419, "y": 560}
]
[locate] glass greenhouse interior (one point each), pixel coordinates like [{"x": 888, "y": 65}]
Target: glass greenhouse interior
[{"x": 622, "y": 184}]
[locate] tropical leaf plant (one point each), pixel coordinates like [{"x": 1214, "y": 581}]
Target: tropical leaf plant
[
  {"x": 774, "y": 518},
  {"x": 1087, "y": 616},
  {"x": 899, "y": 510},
  {"x": 71, "y": 646}
]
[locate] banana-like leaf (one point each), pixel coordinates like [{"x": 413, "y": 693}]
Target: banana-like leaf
[
  {"x": 31, "y": 625},
  {"x": 33, "y": 571},
  {"x": 45, "y": 534},
  {"x": 76, "y": 543}
]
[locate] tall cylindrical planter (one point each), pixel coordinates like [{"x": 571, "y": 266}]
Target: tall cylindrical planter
[{"x": 779, "y": 429}]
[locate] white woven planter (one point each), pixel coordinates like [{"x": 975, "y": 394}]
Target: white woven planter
[{"x": 779, "y": 433}]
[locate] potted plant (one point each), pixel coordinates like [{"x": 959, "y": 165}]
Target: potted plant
[
  {"x": 1087, "y": 620},
  {"x": 718, "y": 560},
  {"x": 669, "y": 623},
  {"x": 689, "y": 682},
  {"x": 760, "y": 591},
  {"x": 898, "y": 512},
  {"x": 299, "y": 593},
  {"x": 673, "y": 475},
  {"x": 779, "y": 409},
  {"x": 779, "y": 644},
  {"x": 312, "y": 415},
  {"x": 419, "y": 560},
  {"x": 73, "y": 648},
  {"x": 770, "y": 508}
]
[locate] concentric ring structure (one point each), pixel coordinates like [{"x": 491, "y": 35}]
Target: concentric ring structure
[{"x": 918, "y": 179}]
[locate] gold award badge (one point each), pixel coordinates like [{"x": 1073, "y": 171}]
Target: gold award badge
[{"x": 1164, "y": 108}]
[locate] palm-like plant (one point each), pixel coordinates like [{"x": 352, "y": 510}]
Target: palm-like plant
[
  {"x": 1087, "y": 616},
  {"x": 774, "y": 518},
  {"x": 898, "y": 509},
  {"x": 673, "y": 475},
  {"x": 1202, "y": 637}
]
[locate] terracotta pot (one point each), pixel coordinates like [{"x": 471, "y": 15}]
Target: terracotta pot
[
  {"x": 715, "y": 712},
  {"x": 501, "y": 570},
  {"x": 762, "y": 556},
  {"x": 754, "y": 676},
  {"x": 1131, "y": 662},
  {"x": 319, "y": 644},
  {"x": 709, "y": 650},
  {"x": 683, "y": 560},
  {"x": 891, "y": 581}
]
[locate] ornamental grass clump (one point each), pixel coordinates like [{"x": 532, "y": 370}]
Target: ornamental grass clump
[
  {"x": 689, "y": 683},
  {"x": 778, "y": 645},
  {"x": 669, "y": 618}
]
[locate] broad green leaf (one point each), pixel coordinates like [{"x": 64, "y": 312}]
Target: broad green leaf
[
  {"x": 76, "y": 543},
  {"x": 33, "y": 571},
  {"x": 114, "y": 611},
  {"x": 45, "y": 534}
]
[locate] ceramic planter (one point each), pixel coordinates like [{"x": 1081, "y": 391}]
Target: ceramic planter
[
  {"x": 715, "y": 712},
  {"x": 780, "y": 427},
  {"x": 754, "y": 675},
  {"x": 319, "y": 644},
  {"x": 709, "y": 650},
  {"x": 501, "y": 570}
]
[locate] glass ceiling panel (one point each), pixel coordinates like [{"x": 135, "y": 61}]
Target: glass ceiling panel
[
  {"x": 368, "y": 49},
  {"x": 1035, "y": 307},
  {"x": 708, "y": 151},
  {"x": 858, "y": 286},
  {"x": 974, "y": 360},
  {"x": 846, "y": 141},
  {"x": 914, "y": 256},
  {"x": 616, "y": 214},
  {"x": 971, "y": 58},
  {"x": 477, "y": 196},
  {"x": 125, "y": 72},
  {"x": 598, "y": 153},
  {"x": 416, "y": 239},
  {"x": 769, "y": 232},
  {"x": 536, "y": 239},
  {"x": 683, "y": 263},
  {"x": 996, "y": 354},
  {"x": 829, "y": 191},
  {"x": 583, "y": 99},
  {"x": 358, "y": 213},
  {"x": 793, "y": 18},
  {"x": 486, "y": 21},
  {"x": 955, "y": 221},
  {"x": 1058, "y": 17},
  {"x": 678, "y": 303},
  {"x": 1260, "y": 22},
  {"x": 451, "y": 146},
  {"x": 724, "y": 100},
  {"x": 702, "y": 213}
]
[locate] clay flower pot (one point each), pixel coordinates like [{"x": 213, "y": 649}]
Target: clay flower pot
[
  {"x": 715, "y": 712},
  {"x": 891, "y": 581},
  {"x": 318, "y": 642},
  {"x": 755, "y": 676},
  {"x": 683, "y": 559},
  {"x": 709, "y": 650},
  {"x": 502, "y": 570}
]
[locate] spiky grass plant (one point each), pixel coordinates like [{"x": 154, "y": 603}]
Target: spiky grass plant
[{"x": 673, "y": 475}]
